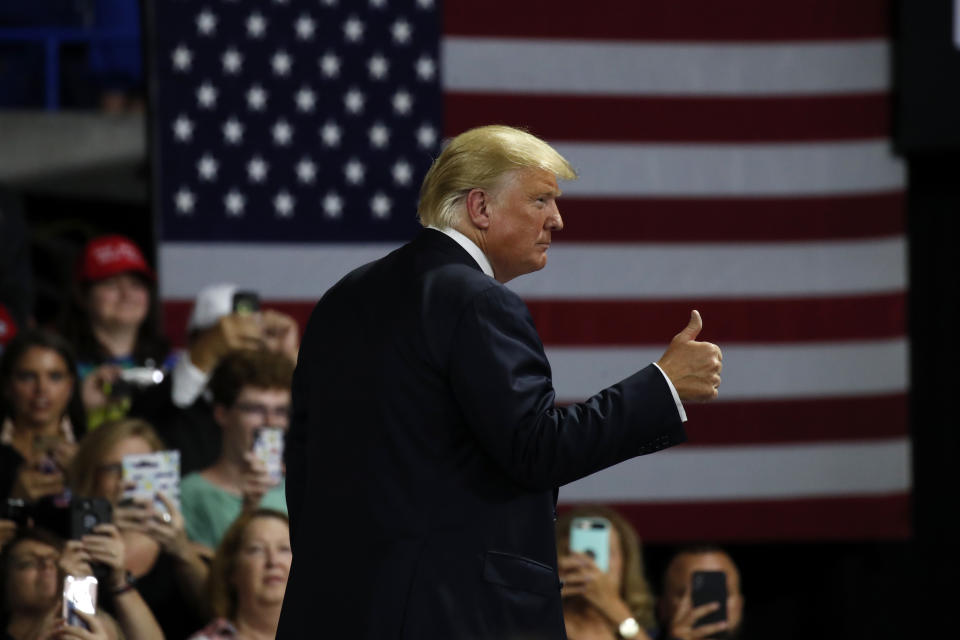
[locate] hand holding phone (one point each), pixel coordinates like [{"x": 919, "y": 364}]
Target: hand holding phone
[
  {"x": 591, "y": 536},
  {"x": 79, "y": 594},
  {"x": 708, "y": 587},
  {"x": 268, "y": 448}
]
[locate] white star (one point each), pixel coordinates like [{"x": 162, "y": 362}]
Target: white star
[
  {"x": 353, "y": 101},
  {"x": 280, "y": 1},
  {"x": 283, "y": 203},
  {"x": 330, "y": 134},
  {"x": 377, "y": 66},
  {"x": 182, "y": 58},
  {"x": 426, "y": 136},
  {"x": 330, "y": 65},
  {"x": 282, "y": 132},
  {"x": 379, "y": 135},
  {"x": 329, "y": 3},
  {"x": 233, "y": 131},
  {"x": 354, "y": 171},
  {"x": 231, "y": 60},
  {"x": 333, "y": 205},
  {"x": 426, "y": 68},
  {"x": 402, "y": 172},
  {"x": 378, "y": 4},
  {"x": 257, "y": 169},
  {"x": 305, "y": 27},
  {"x": 184, "y": 200},
  {"x": 183, "y": 128},
  {"x": 207, "y": 167},
  {"x": 256, "y": 98},
  {"x": 256, "y": 25},
  {"x": 401, "y": 31},
  {"x": 207, "y": 95},
  {"x": 380, "y": 205},
  {"x": 305, "y": 99},
  {"x": 402, "y": 102},
  {"x": 425, "y": 4},
  {"x": 234, "y": 202},
  {"x": 306, "y": 170},
  {"x": 206, "y": 22},
  {"x": 353, "y": 29},
  {"x": 281, "y": 63}
]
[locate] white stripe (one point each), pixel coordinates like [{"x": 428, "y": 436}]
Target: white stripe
[
  {"x": 750, "y": 372},
  {"x": 634, "y": 68},
  {"x": 689, "y": 473},
  {"x": 574, "y": 271},
  {"x": 820, "y": 168},
  {"x": 662, "y": 271}
]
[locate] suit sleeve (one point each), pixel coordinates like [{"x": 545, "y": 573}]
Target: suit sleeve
[{"x": 502, "y": 381}]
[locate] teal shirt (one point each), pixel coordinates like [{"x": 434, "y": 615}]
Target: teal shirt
[{"x": 208, "y": 510}]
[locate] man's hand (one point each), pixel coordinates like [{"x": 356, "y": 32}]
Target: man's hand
[
  {"x": 681, "y": 627},
  {"x": 234, "y": 331},
  {"x": 255, "y": 482},
  {"x": 693, "y": 367},
  {"x": 281, "y": 333}
]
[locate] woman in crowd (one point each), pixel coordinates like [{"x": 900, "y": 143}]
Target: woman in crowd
[
  {"x": 41, "y": 412},
  {"x": 113, "y": 322},
  {"x": 249, "y": 576},
  {"x": 30, "y": 593},
  {"x": 596, "y": 603},
  {"x": 166, "y": 568}
]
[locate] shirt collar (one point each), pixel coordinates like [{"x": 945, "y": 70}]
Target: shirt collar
[{"x": 468, "y": 246}]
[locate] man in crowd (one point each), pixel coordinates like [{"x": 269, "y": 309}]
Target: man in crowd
[
  {"x": 251, "y": 391},
  {"x": 678, "y": 617},
  {"x": 426, "y": 445}
]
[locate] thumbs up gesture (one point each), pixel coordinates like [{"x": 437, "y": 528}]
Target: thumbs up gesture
[{"x": 693, "y": 367}]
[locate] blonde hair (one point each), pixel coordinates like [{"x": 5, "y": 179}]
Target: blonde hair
[
  {"x": 221, "y": 593},
  {"x": 97, "y": 443},
  {"x": 634, "y": 588},
  {"x": 477, "y": 159}
]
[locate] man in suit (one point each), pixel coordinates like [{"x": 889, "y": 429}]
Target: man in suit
[{"x": 425, "y": 447}]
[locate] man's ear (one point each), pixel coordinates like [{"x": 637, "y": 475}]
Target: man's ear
[
  {"x": 478, "y": 203},
  {"x": 219, "y": 414}
]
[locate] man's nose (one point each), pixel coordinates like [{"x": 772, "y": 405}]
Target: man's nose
[{"x": 554, "y": 221}]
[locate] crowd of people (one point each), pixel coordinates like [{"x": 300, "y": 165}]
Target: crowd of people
[{"x": 210, "y": 557}]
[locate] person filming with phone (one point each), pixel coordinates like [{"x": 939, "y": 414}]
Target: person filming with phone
[
  {"x": 251, "y": 403},
  {"x": 605, "y": 594},
  {"x": 701, "y": 596}
]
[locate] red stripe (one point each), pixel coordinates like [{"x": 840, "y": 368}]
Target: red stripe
[
  {"x": 673, "y": 20},
  {"x": 788, "y": 421},
  {"x": 885, "y": 517},
  {"x": 674, "y": 119},
  {"x": 731, "y": 219},
  {"x": 587, "y": 323},
  {"x": 636, "y": 322}
]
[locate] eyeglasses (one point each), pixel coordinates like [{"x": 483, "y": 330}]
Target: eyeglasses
[
  {"x": 33, "y": 561},
  {"x": 279, "y": 412}
]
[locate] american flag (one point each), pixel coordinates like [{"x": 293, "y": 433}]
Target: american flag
[{"x": 734, "y": 158}]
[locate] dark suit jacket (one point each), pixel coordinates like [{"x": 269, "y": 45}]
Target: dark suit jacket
[{"x": 424, "y": 453}]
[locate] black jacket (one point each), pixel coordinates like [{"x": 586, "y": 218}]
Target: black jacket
[{"x": 424, "y": 453}]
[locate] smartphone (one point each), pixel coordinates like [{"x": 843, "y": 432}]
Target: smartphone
[
  {"x": 706, "y": 587},
  {"x": 147, "y": 474},
  {"x": 246, "y": 302},
  {"x": 87, "y": 513},
  {"x": 79, "y": 594},
  {"x": 268, "y": 447},
  {"x": 592, "y": 537}
]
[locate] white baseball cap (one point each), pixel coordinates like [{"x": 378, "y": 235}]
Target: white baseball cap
[{"x": 212, "y": 303}]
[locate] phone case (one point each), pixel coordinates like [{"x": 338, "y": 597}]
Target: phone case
[
  {"x": 706, "y": 587},
  {"x": 592, "y": 537},
  {"x": 153, "y": 473},
  {"x": 79, "y": 594},
  {"x": 268, "y": 447}
]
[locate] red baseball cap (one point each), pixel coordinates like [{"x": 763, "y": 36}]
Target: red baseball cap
[
  {"x": 8, "y": 328},
  {"x": 107, "y": 256}
]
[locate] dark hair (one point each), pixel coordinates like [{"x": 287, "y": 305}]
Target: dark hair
[
  {"x": 21, "y": 343},
  {"x": 248, "y": 368},
  {"x": 23, "y": 534},
  {"x": 75, "y": 324},
  {"x": 697, "y": 549}
]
